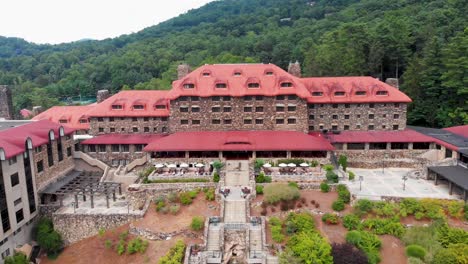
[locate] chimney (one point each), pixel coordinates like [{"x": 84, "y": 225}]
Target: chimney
[
  {"x": 102, "y": 95},
  {"x": 392, "y": 82},
  {"x": 295, "y": 69},
  {"x": 6, "y": 103},
  {"x": 182, "y": 70},
  {"x": 36, "y": 110}
]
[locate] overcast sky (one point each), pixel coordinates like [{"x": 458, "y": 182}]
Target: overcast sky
[{"x": 57, "y": 21}]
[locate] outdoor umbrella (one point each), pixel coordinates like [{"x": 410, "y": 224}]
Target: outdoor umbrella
[
  {"x": 304, "y": 165},
  {"x": 159, "y": 165},
  {"x": 291, "y": 165},
  {"x": 172, "y": 166},
  {"x": 282, "y": 165},
  {"x": 267, "y": 165},
  {"x": 184, "y": 165},
  {"x": 199, "y": 165}
]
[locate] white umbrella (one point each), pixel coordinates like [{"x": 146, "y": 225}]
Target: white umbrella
[
  {"x": 159, "y": 165},
  {"x": 282, "y": 165},
  {"x": 199, "y": 165},
  {"x": 172, "y": 166},
  {"x": 184, "y": 165},
  {"x": 304, "y": 165},
  {"x": 291, "y": 165},
  {"x": 267, "y": 165}
]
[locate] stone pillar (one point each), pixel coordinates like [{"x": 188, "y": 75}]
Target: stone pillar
[
  {"x": 295, "y": 69},
  {"x": 183, "y": 70},
  {"x": 102, "y": 95},
  {"x": 450, "y": 187},
  {"x": 410, "y": 145},
  {"x": 454, "y": 154},
  {"x": 392, "y": 82},
  {"x": 92, "y": 200},
  {"x": 107, "y": 199},
  {"x": 187, "y": 155},
  {"x": 389, "y": 146},
  {"x": 76, "y": 201},
  {"x": 288, "y": 154},
  {"x": 345, "y": 146},
  {"x": 6, "y": 103},
  {"x": 366, "y": 146},
  {"x": 254, "y": 154},
  {"x": 220, "y": 155}
]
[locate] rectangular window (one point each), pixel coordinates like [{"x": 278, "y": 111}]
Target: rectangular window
[
  {"x": 164, "y": 119},
  {"x": 146, "y": 119},
  {"x": 138, "y": 148},
  {"x": 38, "y": 149},
  {"x": 146, "y": 129},
  {"x": 17, "y": 201},
  {"x": 280, "y": 97},
  {"x": 125, "y": 148},
  {"x": 100, "y": 119},
  {"x": 115, "y": 148},
  {"x": 215, "y": 109},
  {"x": 101, "y": 130},
  {"x": 226, "y": 98},
  {"x": 134, "y": 119},
  {"x": 371, "y": 116},
  {"x": 335, "y": 117},
  {"x": 311, "y": 117},
  {"x": 184, "y": 122},
  {"x": 259, "y": 121},
  {"x": 346, "y": 127},
  {"x": 259, "y": 98},
  {"x": 227, "y": 121},
  {"x": 248, "y": 98},
  {"x": 195, "y": 122},
  {"x": 279, "y": 108},
  {"x": 334, "y": 105},
  {"x": 396, "y": 116},
  {"x": 347, "y": 105},
  {"x": 69, "y": 151},
  {"x": 247, "y": 121},
  {"x": 216, "y": 121},
  {"x": 12, "y": 161},
  {"x": 346, "y": 116},
  {"x": 195, "y": 98},
  {"x": 311, "y": 106},
  {"x": 291, "y": 121},
  {"x": 184, "y": 109},
  {"x": 215, "y": 98},
  {"x": 395, "y": 127},
  {"x": 102, "y": 148},
  {"x": 291, "y": 108},
  {"x": 135, "y": 129},
  {"x": 160, "y": 107},
  {"x": 311, "y": 128},
  {"x": 111, "y": 119},
  {"x": 291, "y": 97},
  {"x": 334, "y": 127},
  {"x": 259, "y": 109},
  {"x": 279, "y": 121},
  {"x": 195, "y": 109},
  {"x": 14, "y": 179},
  {"x": 227, "y": 109},
  {"x": 247, "y": 109},
  {"x": 91, "y": 148},
  {"x": 397, "y": 105},
  {"x": 112, "y": 129},
  {"x": 371, "y": 105},
  {"x": 370, "y": 127},
  {"x": 183, "y": 98},
  {"x": 19, "y": 215},
  {"x": 117, "y": 107}
]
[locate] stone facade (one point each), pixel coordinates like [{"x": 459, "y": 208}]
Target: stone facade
[
  {"x": 128, "y": 125},
  {"x": 6, "y": 103},
  {"x": 49, "y": 174},
  {"x": 238, "y": 113},
  {"x": 115, "y": 158},
  {"x": 371, "y": 159},
  {"x": 373, "y": 116},
  {"x": 102, "y": 95}
]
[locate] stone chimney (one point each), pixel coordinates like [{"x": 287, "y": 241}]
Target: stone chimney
[
  {"x": 102, "y": 95},
  {"x": 295, "y": 69},
  {"x": 183, "y": 70},
  {"x": 392, "y": 82},
  {"x": 6, "y": 103},
  {"x": 36, "y": 110}
]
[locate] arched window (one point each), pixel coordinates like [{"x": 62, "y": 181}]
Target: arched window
[
  {"x": 286, "y": 84},
  {"x": 253, "y": 85},
  {"x": 221, "y": 85}
]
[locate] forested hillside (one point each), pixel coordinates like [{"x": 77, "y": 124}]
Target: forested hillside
[{"x": 425, "y": 43}]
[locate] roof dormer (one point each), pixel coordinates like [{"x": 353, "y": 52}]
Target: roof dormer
[
  {"x": 381, "y": 92},
  {"x": 206, "y": 73},
  {"x": 118, "y": 104},
  {"x": 139, "y": 105},
  {"x": 237, "y": 73},
  {"x": 269, "y": 72},
  {"x": 253, "y": 83}
]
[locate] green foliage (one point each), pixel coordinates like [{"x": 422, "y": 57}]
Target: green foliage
[
  {"x": 367, "y": 242},
  {"x": 47, "y": 238},
  {"x": 453, "y": 254},
  {"x": 425, "y": 237},
  {"x": 217, "y": 164},
  {"x": 123, "y": 235},
  {"x": 307, "y": 246},
  {"x": 351, "y": 221},
  {"x": 314, "y": 163},
  {"x": 121, "y": 247},
  {"x": 259, "y": 189},
  {"x": 198, "y": 222},
  {"x": 216, "y": 177},
  {"x": 259, "y": 163},
  {"x": 351, "y": 175},
  {"x": 209, "y": 194},
  {"x": 299, "y": 222},
  {"x": 293, "y": 185},
  {"x": 343, "y": 161},
  {"x": 261, "y": 178},
  {"x": 177, "y": 180},
  {"x": 174, "y": 209},
  {"x": 324, "y": 187},
  {"x": 137, "y": 245},
  {"x": 277, "y": 192},
  {"x": 455, "y": 208},
  {"x": 146, "y": 172},
  {"x": 185, "y": 198},
  {"x": 101, "y": 232},
  {"x": 17, "y": 258},
  {"x": 108, "y": 243},
  {"x": 175, "y": 254},
  {"x": 387, "y": 209},
  {"x": 194, "y": 193},
  {"x": 338, "y": 205},
  {"x": 332, "y": 177},
  {"x": 415, "y": 251},
  {"x": 331, "y": 219},
  {"x": 448, "y": 235},
  {"x": 172, "y": 197},
  {"x": 363, "y": 206},
  {"x": 384, "y": 226},
  {"x": 343, "y": 193},
  {"x": 328, "y": 167},
  {"x": 276, "y": 227},
  {"x": 160, "y": 205}
]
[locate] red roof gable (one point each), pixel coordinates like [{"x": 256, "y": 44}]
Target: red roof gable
[
  {"x": 459, "y": 130},
  {"x": 71, "y": 114},
  {"x": 238, "y": 80},
  {"x": 403, "y": 136},
  {"x": 128, "y": 139},
  {"x": 240, "y": 141},
  {"x": 123, "y": 104},
  {"x": 13, "y": 140},
  {"x": 361, "y": 89}
]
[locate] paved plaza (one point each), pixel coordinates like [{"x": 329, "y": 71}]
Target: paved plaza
[
  {"x": 120, "y": 206},
  {"x": 377, "y": 183}
]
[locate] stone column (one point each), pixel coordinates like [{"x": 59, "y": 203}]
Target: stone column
[
  {"x": 450, "y": 187},
  {"x": 410, "y": 145},
  {"x": 254, "y": 154},
  {"x": 187, "y": 155},
  {"x": 220, "y": 155},
  {"x": 288, "y": 154},
  {"x": 389, "y": 146},
  {"x": 345, "y": 146},
  {"x": 366, "y": 146}
]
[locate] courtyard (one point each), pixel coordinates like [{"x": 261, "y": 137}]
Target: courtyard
[{"x": 377, "y": 183}]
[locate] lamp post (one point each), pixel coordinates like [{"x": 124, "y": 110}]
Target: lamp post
[
  {"x": 405, "y": 178},
  {"x": 361, "y": 178}
]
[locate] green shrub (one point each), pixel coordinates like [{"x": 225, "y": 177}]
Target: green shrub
[
  {"x": 175, "y": 254},
  {"x": 425, "y": 237},
  {"x": 293, "y": 184},
  {"x": 198, "y": 223},
  {"x": 123, "y": 235},
  {"x": 364, "y": 206},
  {"x": 259, "y": 189},
  {"x": 159, "y": 199},
  {"x": 343, "y": 161},
  {"x": 324, "y": 187},
  {"x": 367, "y": 242},
  {"x": 121, "y": 247},
  {"x": 302, "y": 222},
  {"x": 328, "y": 167},
  {"x": 172, "y": 197},
  {"x": 137, "y": 245},
  {"x": 193, "y": 193},
  {"x": 174, "y": 209},
  {"x": 351, "y": 175},
  {"x": 259, "y": 163},
  {"x": 343, "y": 193},
  {"x": 277, "y": 192},
  {"x": 388, "y": 209},
  {"x": 455, "y": 209},
  {"x": 384, "y": 226},
  {"x": 217, "y": 165},
  {"x": 338, "y": 205},
  {"x": 210, "y": 194},
  {"x": 409, "y": 206},
  {"x": 276, "y": 229},
  {"x": 354, "y": 237},
  {"x": 455, "y": 253},
  {"x": 415, "y": 251},
  {"x": 17, "y": 258},
  {"x": 267, "y": 179},
  {"x": 332, "y": 177},
  {"x": 160, "y": 205},
  {"x": 331, "y": 219},
  {"x": 164, "y": 210},
  {"x": 351, "y": 221},
  {"x": 412, "y": 260},
  {"x": 216, "y": 177},
  {"x": 185, "y": 198},
  {"x": 309, "y": 247},
  {"x": 449, "y": 235},
  {"x": 314, "y": 163},
  {"x": 47, "y": 238},
  {"x": 261, "y": 178},
  {"x": 101, "y": 232},
  {"x": 108, "y": 243}
]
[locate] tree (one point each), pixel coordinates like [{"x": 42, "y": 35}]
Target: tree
[
  {"x": 17, "y": 258},
  {"x": 346, "y": 253},
  {"x": 47, "y": 237},
  {"x": 310, "y": 247}
]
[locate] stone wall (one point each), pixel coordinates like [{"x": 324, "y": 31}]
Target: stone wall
[
  {"x": 108, "y": 156},
  {"x": 232, "y": 114},
  {"x": 126, "y": 125},
  {"x": 74, "y": 227},
  {"x": 371, "y": 159},
  {"x": 356, "y": 116},
  {"x": 58, "y": 169},
  {"x": 6, "y": 103}
]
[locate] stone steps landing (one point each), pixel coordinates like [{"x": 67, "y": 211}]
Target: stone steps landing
[
  {"x": 234, "y": 211},
  {"x": 213, "y": 239}
]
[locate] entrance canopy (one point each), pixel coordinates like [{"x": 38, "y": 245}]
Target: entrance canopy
[
  {"x": 455, "y": 174},
  {"x": 240, "y": 141}
]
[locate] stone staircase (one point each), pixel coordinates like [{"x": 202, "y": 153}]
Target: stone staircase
[
  {"x": 255, "y": 239},
  {"x": 214, "y": 233},
  {"x": 272, "y": 260},
  {"x": 234, "y": 211}
]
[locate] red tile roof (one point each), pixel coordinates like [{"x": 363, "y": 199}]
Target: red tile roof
[
  {"x": 13, "y": 140},
  {"x": 348, "y": 90},
  {"x": 240, "y": 141},
  {"x": 128, "y": 99},
  {"x": 122, "y": 139},
  {"x": 404, "y": 136},
  {"x": 71, "y": 114},
  {"x": 459, "y": 130}
]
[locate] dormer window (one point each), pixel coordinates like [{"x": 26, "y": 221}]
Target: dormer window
[
  {"x": 381, "y": 93},
  {"x": 117, "y": 107},
  {"x": 286, "y": 84},
  {"x": 189, "y": 86},
  {"x": 361, "y": 93},
  {"x": 221, "y": 85},
  {"x": 340, "y": 93},
  {"x": 160, "y": 107},
  {"x": 206, "y": 74},
  {"x": 269, "y": 73},
  {"x": 317, "y": 93},
  {"x": 237, "y": 73},
  {"x": 63, "y": 121},
  {"x": 138, "y": 107},
  {"x": 253, "y": 85},
  {"x": 83, "y": 121}
]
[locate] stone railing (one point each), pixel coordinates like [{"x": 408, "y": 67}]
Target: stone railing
[
  {"x": 176, "y": 177},
  {"x": 93, "y": 162},
  {"x": 137, "y": 162}
]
